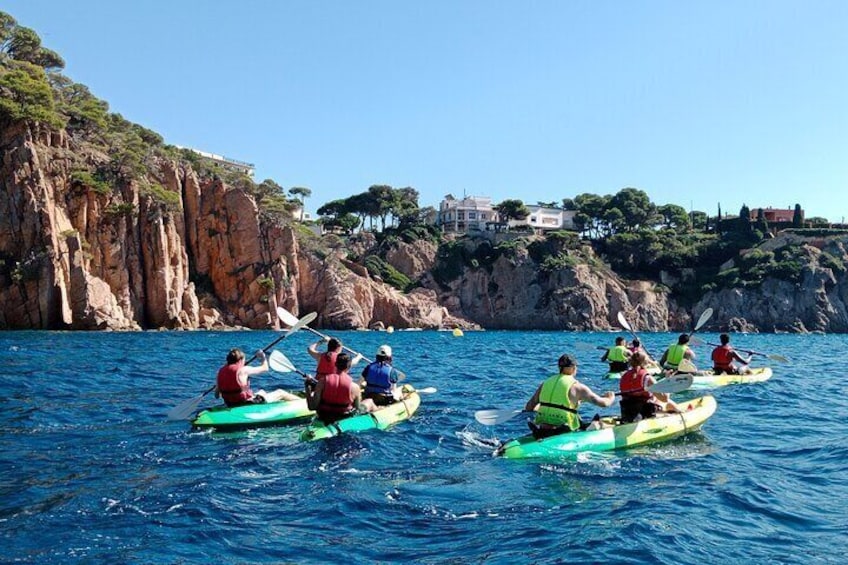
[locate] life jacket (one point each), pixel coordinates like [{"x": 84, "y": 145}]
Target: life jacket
[
  {"x": 231, "y": 390},
  {"x": 555, "y": 408},
  {"x": 675, "y": 355},
  {"x": 326, "y": 364},
  {"x": 616, "y": 354},
  {"x": 378, "y": 378},
  {"x": 632, "y": 384},
  {"x": 335, "y": 398},
  {"x": 723, "y": 357}
]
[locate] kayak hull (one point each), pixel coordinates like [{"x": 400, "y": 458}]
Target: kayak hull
[
  {"x": 253, "y": 415},
  {"x": 653, "y": 370},
  {"x": 708, "y": 379},
  {"x": 652, "y": 430},
  {"x": 379, "y": 420}
]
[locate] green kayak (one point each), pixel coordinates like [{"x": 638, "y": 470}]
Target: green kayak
[
  {"x": 380, "y": 419},
  {"x": 708, "y": 379},
  {"x": 618, "y": 436},
  {"x": 253, "y": 415}
]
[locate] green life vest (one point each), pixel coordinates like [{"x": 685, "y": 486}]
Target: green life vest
[
  {"x": 554, "y": 406},
  {"x": 617, "y": 354},
  {"x": 675, "y": 355}
]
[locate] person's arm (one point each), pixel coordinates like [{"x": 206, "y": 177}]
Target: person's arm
[
  {"x": 394, "y": 376},
  {"x": 664, "y": 358},
  {"x": 605, "y": 355},
  {"x": 689, "y": 353},
  {"x": 533, "y": 403},
  {"x": 248, "y": 371},
  {"x": 582, "y": 392},
  {"x": 313, "y": 349},
  {"x": 356, "y": 396},
  {"x": 313, "y": 396},
  {"x": 741, "y": 359}
]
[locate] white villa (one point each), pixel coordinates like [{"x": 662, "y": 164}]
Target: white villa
[
  {"x": 543, "y": 218},
  {"x": 472, "y": 213}
]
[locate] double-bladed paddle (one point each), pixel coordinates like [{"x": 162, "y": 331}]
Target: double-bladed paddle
[
  {"x": 772, "y": 356},
  {"x": 674, "y": 383},
  {"x": 186, "y": 408}
]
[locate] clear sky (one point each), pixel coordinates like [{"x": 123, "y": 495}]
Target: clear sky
[{"x": 696, "y": 103}]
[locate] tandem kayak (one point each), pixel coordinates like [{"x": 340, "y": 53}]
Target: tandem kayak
[
  {"x": 253, "y": 415},
  {"x": 663, "y": 427},
  {"x": 708, "y": 379},
  {"x": 652, "y": 370},
  {"x": 380, "y": 419}
]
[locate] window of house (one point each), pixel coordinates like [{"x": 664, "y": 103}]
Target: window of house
[
  {"x": 460, "y": 215},
  {"x": 472, "y": 215}
]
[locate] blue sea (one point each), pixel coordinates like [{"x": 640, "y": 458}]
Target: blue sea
[{"x": 93, "y": 472}]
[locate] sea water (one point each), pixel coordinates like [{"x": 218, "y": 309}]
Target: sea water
[{"x": 93, "y": 472}]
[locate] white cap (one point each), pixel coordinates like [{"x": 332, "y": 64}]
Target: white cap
[{"x": 385, "y": 351}]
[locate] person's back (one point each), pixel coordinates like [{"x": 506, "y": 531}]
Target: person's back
[
  {"x": 336, "y": 395},
  {"x": 380, "y": 378},
  {"x": 676, "y": 353},
  {"x": 234, "y": 390},
  {"x": 617, "y": 356},
  {"x": 723, "y": 357},
  {"x": 326, "y": 360},
  {"x": 635, "y": 398}
]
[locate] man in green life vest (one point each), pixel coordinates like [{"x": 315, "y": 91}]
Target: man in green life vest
[
  {"x": 617, "y": 356},
  {"x": 557, "y": 399},
  {"x": 676, "y": 353}
]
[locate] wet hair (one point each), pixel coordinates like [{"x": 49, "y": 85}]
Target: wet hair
[
  {"x": 619, "y": 340},
  {"x": 638, "y": 359},
  {"x": 333, "y": 344},
  {"x": 636, "y": 342},
  {"x": 724, "y": 339},
  {"x": 683, "y": 339},
  {"x": 234, "y": 356},
  {"x": 342, "y": 362}
]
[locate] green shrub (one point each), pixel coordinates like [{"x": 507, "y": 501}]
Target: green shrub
[
  {"x": 391, "y": 276},
  {"x": 88, "y": 180},
  {"x": 170, "y": 200}
]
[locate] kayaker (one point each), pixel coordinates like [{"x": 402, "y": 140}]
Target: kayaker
[
  {"x": 233, "y": 381},
  {"x": 378, "y": 380},
  {"x": 617, "y": 356},
  {"x": 557, "y": 399},
  {"x": 676, "y": 353},
  {"x": 636, "y": 401},
  {"x": 335, "y": 396},
  {"x": 723, "y": 357},
  {"x": 326, "y": 360}
]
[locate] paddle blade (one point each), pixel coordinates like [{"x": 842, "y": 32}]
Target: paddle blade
[
  {"x": 302, "y": 323},
  {"x": 674, "y": 383},
  {"x": 280, "y": 363},
  {"x": 286, "y": 318},
  {"x": 705, "y": 316},
  {"x": 427, "y": 390},
  {"x": 492, "y": 417},
  {"x": 355, "y": 361},
  {"x": 184, "y": 410},
  {"x": 687, "y": 366},
  {"x": 778, "y": 358},
  {"x": 622, "y": 321}
]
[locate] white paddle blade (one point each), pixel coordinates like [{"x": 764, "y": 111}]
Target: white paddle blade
[
  {"x": 185, "y": 409},
  {"x": 427, "y": 390},
  {"x": 674, "y": 383},
  {"x": 280, "y": 363},
  {"x": 302, "y": 323},
  {"x": 355, "y": 361},
  {"x": 705, "y": 316},
  {"x": 493, "y": 417},
  {"x": 287, "y": 318},
  {"x": 622, "y": 321}
]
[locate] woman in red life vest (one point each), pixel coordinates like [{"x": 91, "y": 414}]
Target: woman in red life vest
[
  {"x": 233, "y": 382},
  {"x": 327, "y": 360},
  {"x": 636, "y": 401},
  {"x": 724, "y": 356},
  {"x": 335, "y": 396}
]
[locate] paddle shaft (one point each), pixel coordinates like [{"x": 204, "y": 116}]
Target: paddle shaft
[{"x": 626, "y": 325}]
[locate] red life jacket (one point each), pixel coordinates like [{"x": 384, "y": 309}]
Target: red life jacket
[
  {"x": 326, "y": 364},
  {"x": 335, "y": 398},
  {"x": 723, "y": 357},
  {"x": 231, "y": 391},
  {"x": 632, "y": 383}
]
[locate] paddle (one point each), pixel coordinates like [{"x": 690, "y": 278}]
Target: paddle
[
  {"x": 705, "y": 316},
  {"x": 676, "y": 383},
  {"x": 772, "y": 356},
  {"x": 281, "y": 364},
  {"x": 626, "y": 325},
  {"x": 287, "y": 318},
  {"x": 186, "y": 408}
]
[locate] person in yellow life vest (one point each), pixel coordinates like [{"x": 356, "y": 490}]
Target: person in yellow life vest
[
  {"x": 676, "y": 353},
  {"x": 617, "y": 356},
  {"x": 557, "y": 399}
]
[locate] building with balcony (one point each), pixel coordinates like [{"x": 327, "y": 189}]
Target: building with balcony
[
  {"x": 543, "y": 218},
  {"x": 225, "y": 162},
  {"x": 471, "y": 213}
]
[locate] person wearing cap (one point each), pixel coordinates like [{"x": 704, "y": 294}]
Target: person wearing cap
[
  {"x": 723, "y": 357},
  {"x": 676, "y": 353},
  {"x": 557, "y": 399},
  {"x": 637, "y": 402},
  {"x": 617, "y": 356},
  {"x": 326, "y": 360},
  {"x": 378, "y": 380}
]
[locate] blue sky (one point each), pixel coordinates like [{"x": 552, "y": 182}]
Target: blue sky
[{"x": 696, "y": 103}]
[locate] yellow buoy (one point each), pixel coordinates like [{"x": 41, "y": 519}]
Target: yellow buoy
[
  {"x": 390, "y": 329},
  {"x": 457, "y": 332}
]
